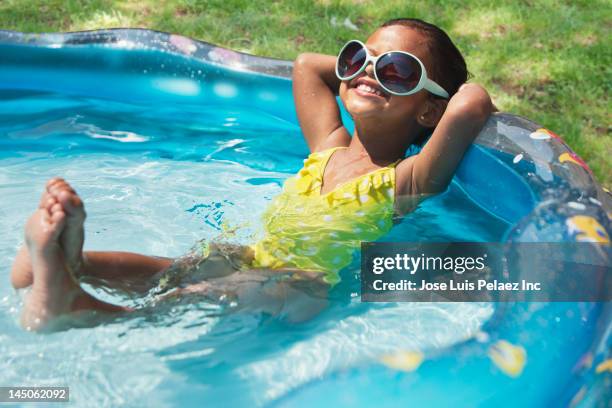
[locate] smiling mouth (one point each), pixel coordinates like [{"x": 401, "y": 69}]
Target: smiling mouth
[{"x": 366, "y": 89}]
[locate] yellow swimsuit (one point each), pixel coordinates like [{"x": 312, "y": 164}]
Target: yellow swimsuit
[{"x": 308, "y": 230}]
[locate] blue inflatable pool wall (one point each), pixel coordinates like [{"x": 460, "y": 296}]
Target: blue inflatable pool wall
[{"x": 528, "y": 354}]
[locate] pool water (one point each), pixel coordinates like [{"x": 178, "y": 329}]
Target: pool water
[{"x": 155, "y": 179}]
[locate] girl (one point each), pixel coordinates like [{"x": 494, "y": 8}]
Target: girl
[{"x": 405, "y": 81}]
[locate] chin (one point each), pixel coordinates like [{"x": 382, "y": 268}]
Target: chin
[
  {"x": 364, "y": 112},
  {"x": 362, "y": 109},
  {"x": 366, "y": 115}
]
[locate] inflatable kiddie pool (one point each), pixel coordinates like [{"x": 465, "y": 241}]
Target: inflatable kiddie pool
[{"x": 527, "y": 354}]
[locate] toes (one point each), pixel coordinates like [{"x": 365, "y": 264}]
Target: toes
[
  {"x": 55, "y": 208},
  {"x": 51, "y": 201},
  {"x": 60, "y": 186},
  {"x": 57, "y": 184},
  {"x": 54, "y": 181},
  {"x": 46, "y": 201},
  {"x": 63, "y": 193},
  {"x": 45, "y": 218},
  {"x": 57, "y": 218},
  {"x": 65, "y": 198},
  {"x": 70, "y": 201},
  {"x": 45, "y": 214},
  {"x": 43, "y": 200},
  {"x": 59, "y": 192}
]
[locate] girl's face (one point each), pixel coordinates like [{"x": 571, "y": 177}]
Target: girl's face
[{"x": 361, "y": 104}]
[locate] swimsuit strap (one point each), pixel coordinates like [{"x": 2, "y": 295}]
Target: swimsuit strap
[{"x": 324, "y": 157}]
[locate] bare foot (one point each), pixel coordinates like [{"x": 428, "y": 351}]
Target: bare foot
[
  {"x": 21, "y": 272},
  {"x": 53, "y": 290},
  {"x": 71, "y": 238}
]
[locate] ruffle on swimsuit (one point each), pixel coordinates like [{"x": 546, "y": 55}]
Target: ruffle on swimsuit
[{"x": 307, "y": 230}]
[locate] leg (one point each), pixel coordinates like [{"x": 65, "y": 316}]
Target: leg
[
  {"x": 97, "y": 265},
  {"x": 132, "y": 274},
  {"x": 53, "y": 292},
  {"x": 57, "y": 191},
  {"x": 53, "y": 256},
  {"x": 118, "y": 265},
  {"x": 290, "y": 294}
]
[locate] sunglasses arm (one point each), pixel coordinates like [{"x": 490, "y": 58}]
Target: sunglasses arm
[{"x": 435, "y": 89}]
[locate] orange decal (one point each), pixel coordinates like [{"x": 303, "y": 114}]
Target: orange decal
[{"x": 573, "y": 158}]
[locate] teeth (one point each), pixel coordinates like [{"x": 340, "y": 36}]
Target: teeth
[{"x": 367, "y": 88}]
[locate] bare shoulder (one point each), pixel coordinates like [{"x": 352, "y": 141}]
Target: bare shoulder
[
  {"x": 403, "y": 176},
  {"x": 407, "y": 196}
]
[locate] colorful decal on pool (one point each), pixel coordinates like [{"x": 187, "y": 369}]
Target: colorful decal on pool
[
  {"x": 544, "y": 134},
  {"x": 183, "y": 44},
  {"x": 517, "y": 158},
  {"x": 403, "y": 360},
  {"x": 573, "y": 158},
  {"x": 587, "y": 229},
  {"x": 604, "y": 366},
  {"x": 509, "y": 358},
  {"x": 586, "y": 361},
  {"x": 224, "y": 56},
  {"x": 578, "y": 397}
]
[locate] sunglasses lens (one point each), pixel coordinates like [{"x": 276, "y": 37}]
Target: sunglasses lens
[
  {"x": 351, "y": 59},
  {"x": 398, "y": 72}
]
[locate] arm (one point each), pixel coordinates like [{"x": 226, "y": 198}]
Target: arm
[
  {"x": 432, "y": 169},
  {"x": 314, "y": 89}
]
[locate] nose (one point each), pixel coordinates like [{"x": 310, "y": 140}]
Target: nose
[{"x": 369, "y": 69}]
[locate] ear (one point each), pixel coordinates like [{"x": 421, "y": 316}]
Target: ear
[{"x": 431, "y": 112}]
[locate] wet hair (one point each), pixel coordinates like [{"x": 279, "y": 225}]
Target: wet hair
[{"x": 449, "y": 70}]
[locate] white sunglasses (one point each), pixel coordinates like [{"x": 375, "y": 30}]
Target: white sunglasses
[{"x": 397, "y": 72}]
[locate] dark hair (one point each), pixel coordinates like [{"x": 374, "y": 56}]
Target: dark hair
[{"x": 449, "y": 70}]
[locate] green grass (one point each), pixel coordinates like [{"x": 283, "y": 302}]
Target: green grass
[{"x": 547, "y": 60}]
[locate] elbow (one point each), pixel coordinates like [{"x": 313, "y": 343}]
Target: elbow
[
  {"x": 474, "y": 104},
  {"x": 428, "y": 185},
  {"x": 301, "y": 60},
  {"x": 485, "y": 106},
  {"x": 301, "y": 63},
  {"x": 472, "y": 116}
]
